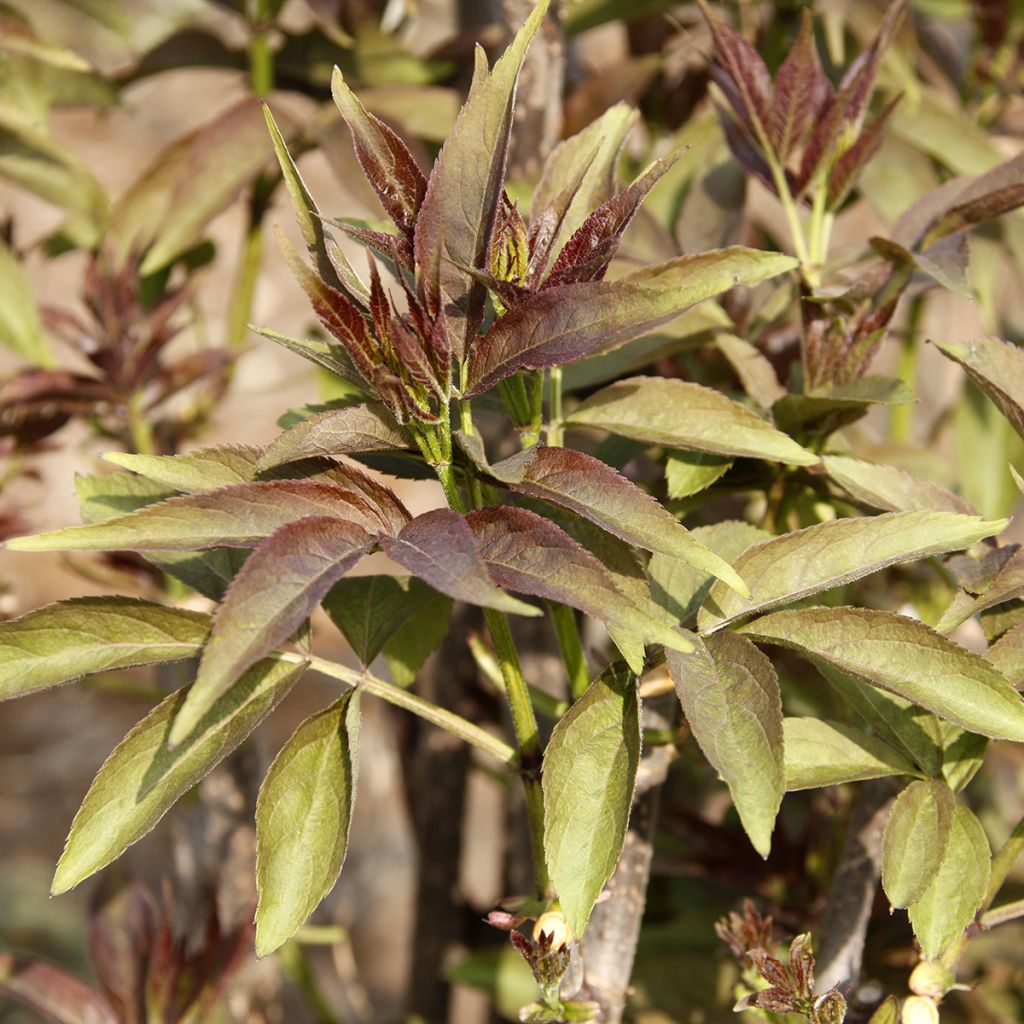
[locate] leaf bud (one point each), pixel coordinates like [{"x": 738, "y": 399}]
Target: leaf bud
[{"x": 931, "y": 979}]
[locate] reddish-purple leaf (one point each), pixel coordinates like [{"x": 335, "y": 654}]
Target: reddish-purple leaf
[
  {"x": 238, "y": 516},
  {"x": 594, "y": 490},
  {"x": 740, "y": 72},
  {"x": 801, "y": 92},
  {"x": 384, "y": 158},
  {"x": 275, "y": 592},
  {"x": 356, "y": 428},
  {"x": 48, "y": 989},
  {"x": 563, "y": 324},
  {"x": 588, "y": 252},
  {"x": 122, "y": 929},
  {"x": 440, "y": 549},
  {"x": 530, "y": 554},
  {"x": 456, "y": 219}
]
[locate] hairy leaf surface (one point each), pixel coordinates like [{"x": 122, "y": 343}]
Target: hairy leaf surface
[
  {"x": 64, "y": 641},
  {"x": 796, "y": 565},
  {"x": 680, "y": 414},
  {"x": 914, "y": 841},
  {"x": 905, "y": 657},
  {"x": 302, "y": 820},
  {"x": 275, "y": 592},
  {"x": 957, "y": 891},
  {"x": 822, "y": 753},
  {"x": 730, "y": 696},
  {"x": 589, "y": 774},
  {"x": 142, "y": 778}
]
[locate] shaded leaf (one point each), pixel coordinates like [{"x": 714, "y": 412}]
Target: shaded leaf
[
  {"x": 905, "y": 657},
  {"x": 302, "y": 820},
  {"x": 594, "y": 490},
  {"x": 822, "y": 753},
  {"x": 416, "y": 639},
  {"x": 914, "y": 841},
  {"x": 957, "y": 892},
  {"x": 356, "y": 428},
  {"x": 384, "y": 158},
  {"x": 283, "y": 580},
  {"x": 61, "y": 996},
  {"x": 456, "y": 219},
  {"x": 997, "y": 367},
  {"x": 887, "y": 1013},
  {"x": 688, "y": 473},
  {"x": 829, "y": 408},
  {"x": 142, "y": 778},
  {"x": 440, "y": 549},
  {"x": 20, "y": 327},
  {"x": 530, "y": 555},
  {"x": 563, "y": 324},
  {"x": 681, "y": 588},
  {"x": 236, "y": 516},
  {"x": 64, "y": 641},
  {"x": 676, "y": 413},
  {"x": 795, "y": 565},
  {"x": 730, "y": 696},
  {"x": 889, "y": 487},
  {"x": 962, "y": 755},
  {"x": 588, "y": 778},
  {"x": 756, "y": 373},
  {"x": 1006, "y": 586}
]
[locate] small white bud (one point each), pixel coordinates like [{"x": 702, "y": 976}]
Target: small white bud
[
  {"x": 920, "y": 1010},
  {"x": 553, "y": 924}
]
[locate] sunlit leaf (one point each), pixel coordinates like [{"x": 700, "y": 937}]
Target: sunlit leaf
[
  {"x": 142, "y": 778},
  {"x": 889, "y": 487},
  {"x": 821, "y": 753},
  {"x": 64, "y": 641},
  {"x": 1007, "y": 655},
  {"x": 282, "y": 581},
  {"x": 905, "y": 657},
  {"x": 202, "y": 470},
  {"x": 805, "y": 562},
  {"x": 1007, "y": 585},
  {"x": 590, "y": 766},
  {"x": 456, "y": 219},
  {"x": 688, "y": 473},
  {"x": 302, "y": 820},
  {"x": 914, "y": 841},
  {"x": 956, "y": 894},
  {"x": 730, "y": 696},
  {"x": 997, "y": 367}
]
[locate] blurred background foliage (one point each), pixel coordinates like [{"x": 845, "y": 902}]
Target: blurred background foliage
[{"x": 137, "y": 187}]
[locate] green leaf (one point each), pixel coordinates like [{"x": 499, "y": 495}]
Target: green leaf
[
  {"x": 688, "y": 473},
  {"x": 530, "y": 555},
  {"x": 20, "y": 327},
  {"x": 356, "y": 428},
  {"x": 276, "y": 591},
  {"x": 596, "y": 491},
  {"x": 141, "y": 779},
  {"x": 887, "y": 1013},
  {"x": 730, "y": 696},
  {"x": 839, "y": 404},
  {"x": 678, "y": 586},
  {"x": 997, "y": 367},
  {"x": 439, "y": 548},
  {"x": 202, "y": 470},
  {"x": 796, "y": 565},
  {"x": 165, "y": 212},
  {"x": 756, "y": 373},
  {"x": 957, "y": 892},
  {"x": 821, "y": 753},
  {"x": 962, "y": 755},
  {"x": 899, "y": 722},
  {"x": 905, "y": 657},
  {"x": 1007, "y": 655},
  {"x": 369, "y": 610},
  {"x": 64, "y": 641},
  {"x": 914, "y": 841},
  {"x": 890, "y": 488},
  {"x": 1007, "y": 586},
  {"x": 565, "y": 323},
  {"x": 416, "y": 639},
  {"x": 456, "y": 219},
  {"x": 237, "y": 516},
  {"x": 104, "y": 496},
  {"x": 589, "y": 774},
  {"x": 303, "y": 816},
  {"x": 679, "y": 414}
]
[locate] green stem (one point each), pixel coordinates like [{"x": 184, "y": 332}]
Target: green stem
[
  {"x": 441, "y": 717},
  {"x": 1003, "y": 862},
  {"x": 554, "y": 431},
  {"x": 1000, "y": 915},
  {"x": 792, "y": 216},
  {"x": 567, "y": 631},
  {"x": 244, "y": 288},
  {"x": 901, "y": 417},
  {"x": 143, "y": 441}
]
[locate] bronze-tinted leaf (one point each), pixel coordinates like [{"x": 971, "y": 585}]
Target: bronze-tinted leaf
[
  {"x": 997, "y": 367},
  {"x": 801, "y": 91},
  {"x": 51, "y": 991}
]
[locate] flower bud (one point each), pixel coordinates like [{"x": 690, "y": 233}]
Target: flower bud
[
  {"x": 931, "y": 979},
  {"x": 553, "y": 924},
  {"x": 920, "y": 1010}
]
